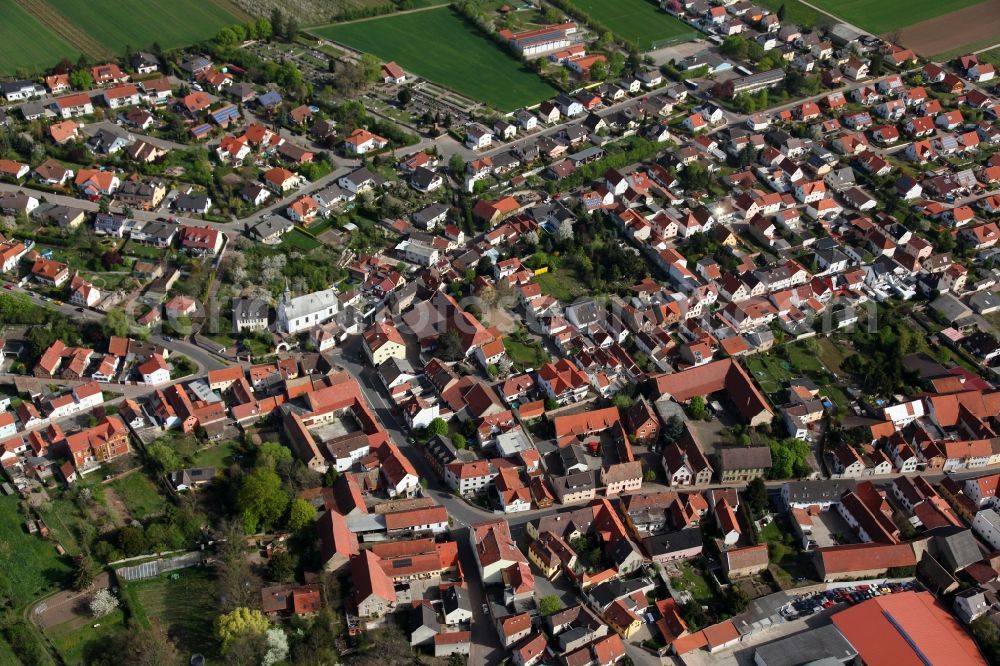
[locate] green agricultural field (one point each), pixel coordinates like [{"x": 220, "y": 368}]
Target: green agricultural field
[
  {"x": 888, "y": 15},
  {"x": 80, "y": 640},
  {"x": 796, "y": 12},
  {"x": 138, "y": 23},
  {"x": 182, "y": 602},
  {"x": 29, "y": 564},
  {"x": 25, "y": 43},
  {"x": 638, "y": 21},
  {"x": 141, "y": 496},
  {"x": 562, "y": 284},
  {"x": 440, "y": 47}
]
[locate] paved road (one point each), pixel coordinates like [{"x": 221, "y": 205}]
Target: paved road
[
  {"x": 204, "y": 360},
  {"x": 91, "y": 129}
]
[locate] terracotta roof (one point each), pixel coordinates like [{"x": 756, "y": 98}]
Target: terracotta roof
[
  {"x": 515, "y": 624},
  {"x": 744, "y": 558},
  {"x": 414, "y": 517},
  {"x": 721, "y": 633},
  {"x": 595, "y": 420},
  {"x": 493, "y": 543},
  {"x": 369, "y": 578},
  {"x": 335, "y": 537},
  {"x": 906, "y": 629},
  {"x": 865, "y": 557},
  {"x": 726, "y": 374}
]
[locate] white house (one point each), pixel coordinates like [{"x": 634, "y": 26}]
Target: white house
[
  {"x": 478, "y": 137},
  {"x": 987, "y": 525},
  {"x": 300, "y": 313},
  {"x": 154, "y": 371}
]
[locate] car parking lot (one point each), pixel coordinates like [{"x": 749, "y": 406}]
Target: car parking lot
[{"x": 815, "y": 602}]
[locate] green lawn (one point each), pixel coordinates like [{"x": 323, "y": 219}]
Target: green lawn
[
  {"x": 769, "y": 371},
  {"x": 796, "y": 12},
  {"x": 561, "y": 283},
  {"x": 296, "y": 240},
  {"x": 785, "y": 554},
  {"x": 692, "y": 580},
  {"x": 803, "y": 359},
  {"x": 833, "y": 353},
  {"x": 184, "y": 603},
  {"x": 439, "y": 46},
  {"x": 888, "y": 15},
  {"x": 138, "y": 23},
  {"x": 140, "y": 495},
  {"x": 78, "y": 641},
  {"x": 219, "y": 456},
  {"x": 640, "y": 22},
  {"x": 29, "y": 564},
  {"x": 26, "y": 44},
  {"x": 525, "y": 356},
  {"x": 65, "y": 522}
]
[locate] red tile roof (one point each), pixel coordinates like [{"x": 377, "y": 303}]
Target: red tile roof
[{"x": 865, "y": 557}]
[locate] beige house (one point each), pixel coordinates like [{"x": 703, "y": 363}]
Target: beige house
[{"x": 382, "y": 342}]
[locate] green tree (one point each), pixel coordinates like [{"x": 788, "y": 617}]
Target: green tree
[
  {"x": 141, "y": 646},
  {"x": 673, "y": 428},
  {"x": 450, "y": 347},
  {"x": 84, "y": 572},
  {"x": 437, "y": 427},
  {"x": 756, "y": 495},
  {"x": 271, "y": 454},
  {"x": 456, "y": 165},
  {"x": 370, "y": 67},
  {"x": 277, "y": 22},
  {"x": 291, "y": 29},
  {"x": 698, "y": 408},
  {"x": 239, "y": 624},
  {"x": 81, "y": 79},
  {"x": 549, "y": 605},
  {"x": 261, "y": 499},
  {"x": 599, "y": 71},
  {"x": 115, "y": 323},
  {"x": 404, "y": 97},
  {"x": 735, "y": 46},
  {"x": 458, "y": 439},
  {"x": 132, "y": 540},
  {"x": 301, "y": 514},
  {"x": 737, "y": 599},
  {"x": 281, "y": 567},
  {"x": 262, "y": 29}
]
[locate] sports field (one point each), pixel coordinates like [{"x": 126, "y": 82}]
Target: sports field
[
  {"x": 25, "y": 43},
  {"x": 638, "y": 21},
  {"x": 885, "y": 16},
  {"x": 438, "y": 46},
  {"x": 138, "y": 23}
]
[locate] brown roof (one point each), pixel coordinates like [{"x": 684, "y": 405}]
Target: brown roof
[
  {"x": 726, "y": 374},
  {"x": 335, "y": 537},
  {"x": 743, "y": 558},
  {"x": 515, "y": 624},
  {"x": 745, "y": 457},
  {"x": 412, "y": 518},
  {"x": 369, "y": 578},
  {"x": 494, "y": 543},
  {"x": 623, "y": 472},
  {"x": 865, "y": 557},
  {"x": 720, "y": 634}
]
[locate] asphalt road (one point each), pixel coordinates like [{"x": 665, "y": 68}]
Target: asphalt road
[{"x": 204, "y": 360}]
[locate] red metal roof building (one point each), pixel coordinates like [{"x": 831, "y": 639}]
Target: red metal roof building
[{"x": 907, "y": 629}]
